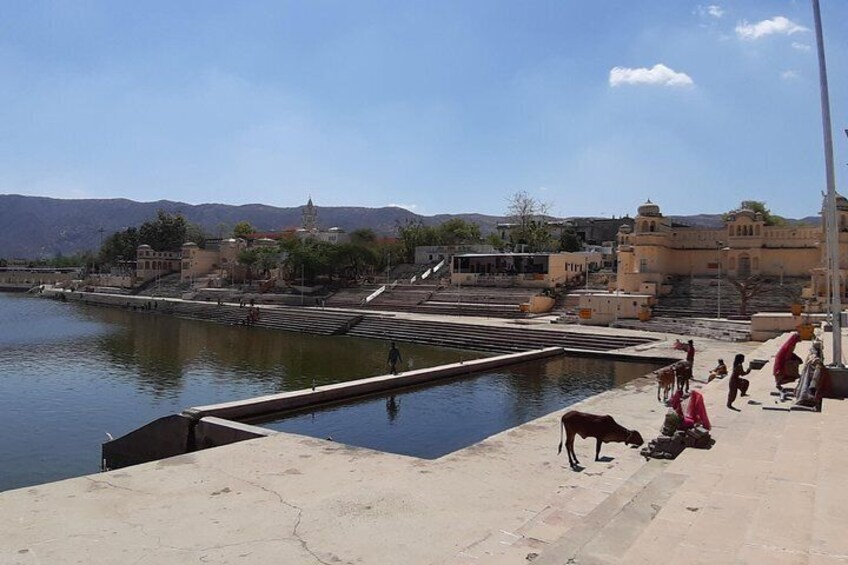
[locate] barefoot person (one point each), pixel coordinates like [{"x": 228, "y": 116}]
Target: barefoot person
[
  {"x": 394, "y": 358},
  {"x": 737, "y": 383}
]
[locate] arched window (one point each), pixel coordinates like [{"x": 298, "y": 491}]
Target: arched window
[
  {"x": 738, "y": 230},
  {"x": 653, "y": 226}
]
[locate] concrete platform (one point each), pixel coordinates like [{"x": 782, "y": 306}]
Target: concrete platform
[{"x": 770, "y": 489}]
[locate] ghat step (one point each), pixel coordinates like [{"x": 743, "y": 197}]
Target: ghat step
[{"x": 606, "y": 533}]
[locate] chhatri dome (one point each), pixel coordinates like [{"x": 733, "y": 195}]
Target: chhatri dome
[{"x": 649, "y": 209}]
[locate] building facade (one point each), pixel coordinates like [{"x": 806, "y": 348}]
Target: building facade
[
  {"x": 536, "y": 270},
  {"x": 656, "y": 248},
  {"x": 151, "y": 264}
]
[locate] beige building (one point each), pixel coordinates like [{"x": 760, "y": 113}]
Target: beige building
[
  {"x": 537, "y": 270},
  {"x": 151, "y": 264},
  {"x": 656, "y": 248},
  {"x": 221, "y": 259}
]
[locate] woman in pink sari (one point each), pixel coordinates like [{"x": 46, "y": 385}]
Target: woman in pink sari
[{"x": 694, "y": 411}]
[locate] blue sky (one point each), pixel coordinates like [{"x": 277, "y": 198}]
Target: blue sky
[{"x": 592, "y": 106}]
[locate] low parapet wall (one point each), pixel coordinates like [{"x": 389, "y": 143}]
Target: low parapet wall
[
  {"x": 299, "y": 399},
  {"x": 768, "y": 325}
]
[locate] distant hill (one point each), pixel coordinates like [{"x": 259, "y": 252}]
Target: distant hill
[{"x": 36, "y": 227}]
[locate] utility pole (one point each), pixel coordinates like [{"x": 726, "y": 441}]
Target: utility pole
[
  {"x": 830, "y": 215},
  {"x": 718, "y": 313}
]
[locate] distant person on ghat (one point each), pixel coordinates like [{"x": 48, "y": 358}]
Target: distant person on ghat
[
  {"x": 394, "y": 358},
  {"x": 689, "y": 348}
]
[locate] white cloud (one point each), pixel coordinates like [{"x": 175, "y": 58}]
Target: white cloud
[
  {"x": 800, "y": 46},
  {"x": 410, "y": 207},
  {"x": 712, "y": 11},
  {"x": 715, "y": 11},
  {"x": 776, "y": 25},
  {"x": 789, "y": 75},
  {"x": 659, "y": 74}
]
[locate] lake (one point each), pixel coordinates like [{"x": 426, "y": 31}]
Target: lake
[{"x": 70, "y": 373}]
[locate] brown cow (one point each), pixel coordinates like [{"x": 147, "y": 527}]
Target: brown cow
[
  {"x": 665, "y": 382},
  {"x": 603, "y": 428}
]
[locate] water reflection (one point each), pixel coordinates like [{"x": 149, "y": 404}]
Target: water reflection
[
  {"x": 163, "y": 350},
  {"x": 392, "y": 408}
]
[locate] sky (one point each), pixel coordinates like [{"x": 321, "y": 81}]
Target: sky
[{"x": 591, "y": 106}]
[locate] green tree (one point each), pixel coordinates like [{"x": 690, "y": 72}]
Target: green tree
[
  {"x": 310, "y": 259},
  {"x": 457, "y": 231},
  {"x": 569, "y": 241},
  {"x": 412, "y": 234},
  {"x": 195, "y": 232},
  {"x": 120, "y": 246},
  {"x": 760, "y": 207},
  {"x": 243, "y": 229},
  {"x": 363, "y": 236},
  {"x": 166, "y": 233},
  {"x": 495, "y": 241},
  {"x": 352, "y": 260}
]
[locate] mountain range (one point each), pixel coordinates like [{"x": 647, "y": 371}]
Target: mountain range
[{"x": 34, "y": 227}]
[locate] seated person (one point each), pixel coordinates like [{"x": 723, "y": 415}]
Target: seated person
[
  {"x": 785, "y": 367},
  {"x": 719, "y": 372},
  {"x": 792, "y": 368},
  {"x": 691, "y": 412}
]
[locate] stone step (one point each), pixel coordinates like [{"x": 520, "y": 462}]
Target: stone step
[{"x": 607, "y": 533}]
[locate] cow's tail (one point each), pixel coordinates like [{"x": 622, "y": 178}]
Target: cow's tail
[{"x": 561, "y": 430}]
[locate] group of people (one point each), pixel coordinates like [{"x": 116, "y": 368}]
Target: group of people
[
  {"x": 252, "y": 317},
  {"x": 786, "y": 369}
]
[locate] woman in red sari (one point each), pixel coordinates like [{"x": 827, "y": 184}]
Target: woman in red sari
[
  {"x": 785, "y": 368},
  {"x": 694, "y": 411}
]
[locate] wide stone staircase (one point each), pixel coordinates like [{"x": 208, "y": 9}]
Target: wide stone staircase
[
  {"x": 699, "y": 297},
  {"x": 432, "y": 298},
  {"x": 308, "y": 320},
  {"x": 724, "y": 330},
  {"x": 495, "y": 339}
]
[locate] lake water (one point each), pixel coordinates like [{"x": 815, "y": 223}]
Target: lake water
[
  {"x": 71, "y": 373},
  {"x": 434, "y": 420}
]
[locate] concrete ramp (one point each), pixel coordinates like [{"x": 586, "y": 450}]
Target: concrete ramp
[{"x": 161, "y": 438}]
